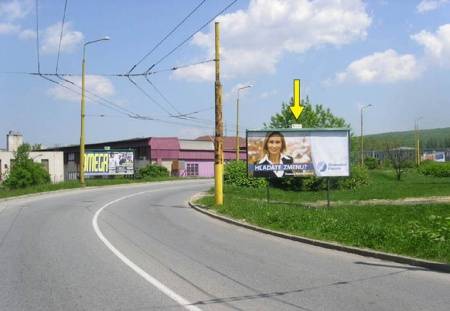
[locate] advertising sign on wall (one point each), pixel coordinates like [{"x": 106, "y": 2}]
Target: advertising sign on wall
[
  {"x": 279, "y": 153},
  {"x": 111, "y": 162}
]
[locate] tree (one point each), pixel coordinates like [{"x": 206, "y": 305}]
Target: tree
[
  {"x": 400, "y": 158},
  {"x": 25, "y": 172},
  {"x": 311, "y": 117}
]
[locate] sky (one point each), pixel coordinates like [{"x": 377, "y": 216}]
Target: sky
[{"x": 390, "y": 54}]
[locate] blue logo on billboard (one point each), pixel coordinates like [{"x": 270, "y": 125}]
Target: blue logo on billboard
[{"x": 322, "y": 166}]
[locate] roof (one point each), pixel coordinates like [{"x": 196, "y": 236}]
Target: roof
[
  {"x": 190, "y": 144},
  {"x": 165, "y": 143},
  {"x": 229, "y": 142}
]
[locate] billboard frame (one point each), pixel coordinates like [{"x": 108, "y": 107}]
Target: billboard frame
[
  {"x": 109, "y": 151},
  {"x": 339, "y": 129}
]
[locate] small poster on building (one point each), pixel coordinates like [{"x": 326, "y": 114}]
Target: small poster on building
[
  {"x": 298, "y": 152},
  {"x": 111, "y": 162}
]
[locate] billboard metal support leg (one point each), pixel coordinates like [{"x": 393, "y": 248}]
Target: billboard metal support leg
[
  {"x": 328, "y": 192},
  {"x": 268, "y": 192}
]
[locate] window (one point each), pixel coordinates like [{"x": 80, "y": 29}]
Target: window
[
  {"x": 192, "y": 169},
  {"x": 71, "y": 156},
  {"x": 44, "y": 163}
]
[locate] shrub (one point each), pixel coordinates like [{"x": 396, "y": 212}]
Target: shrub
[
  {"x": 436, "y": 169},
  {"x": 153, "y": 170},
  {"x": 371, "y": 163},
  {"x": 359, "y": 176},
  {"x": 235, "y": 174},
  {"x": 25, "y": 173}
]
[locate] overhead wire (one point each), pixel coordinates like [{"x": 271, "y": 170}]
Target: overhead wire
[
  {"x": 37, "y": 37},
  {"x": 167, "y": 36},
  {"x": 61, "y": 36},
  {"x": 190, "y": 36}
]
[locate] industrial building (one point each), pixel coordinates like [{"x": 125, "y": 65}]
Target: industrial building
[
  {"x": 52, "y": 161},
  {"x": 182, "y": 157}
]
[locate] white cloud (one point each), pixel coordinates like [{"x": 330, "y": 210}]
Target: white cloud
[
  {"x": 231, "y": 95},
  {"x": 268, "y": 94},
  {"x": 15, "y": 9},
  {"x": 382, "y": 67},
  {"x": 8, "y": 28},
  {"x": 430, "y": 5},
  {"x": 255, "y": 40},
  {"x": 70, "y": 40},
  {"x": 436, "y": 45},
  {"x": 99, "y": 85},
  {"x": 27, "y": 34}
]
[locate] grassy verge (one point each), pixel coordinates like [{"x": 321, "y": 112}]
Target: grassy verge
[
  {"x": 421, "y": 231},
  {"x": 382, "y": 185},
  {"x": 4, "y": 193}
]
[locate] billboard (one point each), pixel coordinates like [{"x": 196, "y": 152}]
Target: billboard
[
  {"x": 108, "y": 162},
  {"x": 437, "y": 156},
  {"x": 278, "y": 153}
]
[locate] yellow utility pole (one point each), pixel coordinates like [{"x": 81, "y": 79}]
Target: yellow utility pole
[
  {"x": 362, "y": 133},
  {"x": 416, "y": 131},
  {"x": 218, "y": 141},
  {"x": 237, "y": 121},
  {"x": 83, "y": 107}
]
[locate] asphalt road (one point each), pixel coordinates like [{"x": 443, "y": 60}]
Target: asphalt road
[{"x": 140, "y": 247}]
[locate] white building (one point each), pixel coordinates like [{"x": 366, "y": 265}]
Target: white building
[{"x": 52, "y": 161}]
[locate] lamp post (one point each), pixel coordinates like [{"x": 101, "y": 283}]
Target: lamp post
[
  {"x": 83, "y": 107},
  {"x": 362, "y": 133},
  {"x": 416, "y": 131},
  {"x": 237, "y": 120}
]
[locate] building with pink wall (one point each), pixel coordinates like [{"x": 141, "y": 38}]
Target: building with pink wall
[{"x": 182, "y": 157}]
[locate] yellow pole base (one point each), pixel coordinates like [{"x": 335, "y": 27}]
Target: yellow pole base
[{"x": 218, "y": 179}]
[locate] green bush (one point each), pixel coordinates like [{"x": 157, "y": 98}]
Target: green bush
[
  {"x": 153, "y": 170},
  {"x": 358, "y": 177},
  {"x": 235, "y": 174},
  {"x": 436, "y": 169},
  {"x": 371, "y": 163},
  {"x": 25, "y": 173}
]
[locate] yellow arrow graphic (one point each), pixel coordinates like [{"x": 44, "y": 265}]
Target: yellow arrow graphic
[{"x": 297, "y": 108}]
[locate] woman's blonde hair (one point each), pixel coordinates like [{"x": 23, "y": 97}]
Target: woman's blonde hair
[{"x": 266, "y": 141}]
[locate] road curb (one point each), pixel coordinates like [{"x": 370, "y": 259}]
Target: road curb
[
  {"x": 431, "y": 265},
  {"x": 87, "y": 188}
]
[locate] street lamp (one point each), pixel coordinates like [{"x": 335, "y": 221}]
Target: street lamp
[
  {"x": 237, "y": 120},
  {"x": 362, "y": 133},
  {"x": 83, "y": 107},
  {"x": 416, "y": 131}
]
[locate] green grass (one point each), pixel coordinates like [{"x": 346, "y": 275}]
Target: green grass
[
  {"x": 382, "y": 185},
  {"x": 421, "y": 231},
  {"x": 4, "y": 193}
]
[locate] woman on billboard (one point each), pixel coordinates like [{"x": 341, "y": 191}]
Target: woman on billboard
[{"x": 274, "y": 148}]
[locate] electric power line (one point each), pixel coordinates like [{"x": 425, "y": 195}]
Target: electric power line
[
  {"x": 189, "y": 37},
  {"x": 37, "y": 37},
  {"x": 61, "y": 36},
  {"x": 166, "y": 36}
]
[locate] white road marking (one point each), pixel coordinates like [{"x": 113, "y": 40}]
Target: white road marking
[{"x": 153, "y": 281}]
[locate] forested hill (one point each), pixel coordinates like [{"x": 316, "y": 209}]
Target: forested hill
[{"x": 433, "y": 138}]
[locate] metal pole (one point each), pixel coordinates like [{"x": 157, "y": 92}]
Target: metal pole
[
  {"x": 237, "y": 128},
  {"x": 218, "y": 141},
  {"x": 362, "y": 138},
  {"x": 328, "y": 192},
  {"x": 268, "y": 192},
  {"x": 83, "y": 113}
]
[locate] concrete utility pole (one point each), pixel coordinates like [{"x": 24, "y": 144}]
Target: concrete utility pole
[
  {"x": 362, "y": 133},
  {"x": 218, "y": 141},
  {"x": 237, "y": 121},
  {"x": 416, "y": 131},
  {"x": 83, "y": 107}
]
